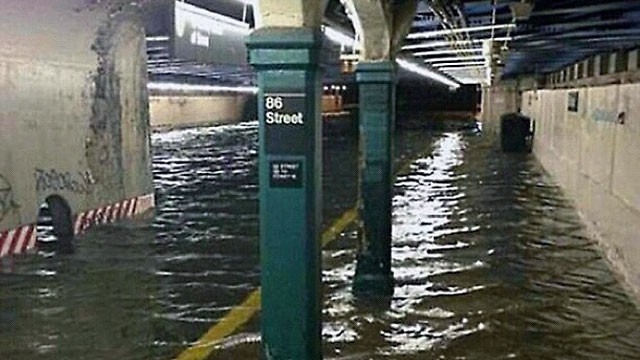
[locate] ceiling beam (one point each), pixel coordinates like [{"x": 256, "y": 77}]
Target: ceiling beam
[
  {"x": 441, "y": 43},
  {"x": 446, "y": 52},
  {"x": 437, "y": 33}
]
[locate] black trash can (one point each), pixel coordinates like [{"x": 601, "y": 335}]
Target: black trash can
[{"x": 516, "y": 133}]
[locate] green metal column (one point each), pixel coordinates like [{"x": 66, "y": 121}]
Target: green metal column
[
  {"x": 290, "y": 169},
  {"x": 377, "y": 85}
]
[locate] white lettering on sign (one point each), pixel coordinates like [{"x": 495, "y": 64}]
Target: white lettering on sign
[
  {"x": 278, "y": 115},
  {"x": 273, "y": 102},
  {"x": 274, "y": 117},
  {"x": 200, "y": 38},
  {"x": 285, "y": 171},
  {"x": 285, "y": 174}
]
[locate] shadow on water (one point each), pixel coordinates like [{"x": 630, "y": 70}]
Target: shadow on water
[{"x": 490, "y": 262}]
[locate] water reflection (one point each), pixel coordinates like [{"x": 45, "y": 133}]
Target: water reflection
[{"x": 490, "y": 262}]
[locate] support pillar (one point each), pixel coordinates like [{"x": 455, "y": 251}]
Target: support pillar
[
  {"x": 376, "y": 81},
  {"x": 290, "y": 168}
]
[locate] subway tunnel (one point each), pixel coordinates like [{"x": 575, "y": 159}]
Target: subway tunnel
[{"x": 269, "y": 179}]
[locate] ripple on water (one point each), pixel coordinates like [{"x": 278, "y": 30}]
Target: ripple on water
[{"x": 490, "y": 262}]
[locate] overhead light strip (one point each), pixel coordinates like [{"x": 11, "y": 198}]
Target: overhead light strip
[
  {"x": 158, "y": 38},
  {"x": 434, "y": 44},
  {"x": 470, "y": 81},
  {"x": 423, "y": 71},
  {"x": 436, "y": 33},
  {"x": 458, "y": 64},
  {"x": 447, "y": 52},
  {"x": 453, "y": 59},
  {"x": 167, "y": 86},
  {"x": 339, "y": 37},
  {"x": 343, "y": 39},
  {"x": 462, "y": 68}
]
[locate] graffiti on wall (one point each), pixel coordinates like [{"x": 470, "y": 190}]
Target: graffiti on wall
[
  {"x": 7, "y": 203},
  {"x": 55, "y": 180}
]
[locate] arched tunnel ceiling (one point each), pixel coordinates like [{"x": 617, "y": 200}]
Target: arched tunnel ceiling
[{"x": 446, "y": 34}]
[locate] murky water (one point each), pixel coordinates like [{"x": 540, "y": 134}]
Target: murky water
[{"x": 490, "y": 262}]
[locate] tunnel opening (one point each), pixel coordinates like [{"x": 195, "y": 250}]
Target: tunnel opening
[{"x": 55, "y": 225}]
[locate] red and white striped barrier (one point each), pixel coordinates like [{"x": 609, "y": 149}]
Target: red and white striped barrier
[
  {"x": 18, "y": 240},
  {"x": 113, "y": 212},
  {"x": 23, "y": 238}
]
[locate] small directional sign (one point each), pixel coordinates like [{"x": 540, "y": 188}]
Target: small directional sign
[{"x": 285, "y": 174}]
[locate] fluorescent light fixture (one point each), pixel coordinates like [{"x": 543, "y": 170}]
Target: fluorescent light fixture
[
  {"x": 436, "y": 33},
  {"x": 458, "y": 64},
  {"x": 446, "y": 52},
  {"x": 470, "y": 80},
  {"x": 454, "y": 59},
  {"x": 433, "y": 44},
  {"x": 201, "y": 88},
  {"x": 462, "y": 68},
  {"x": 423, "y": 71},
  {"x": 338, "y": 37},
  {"x": 466, "y": 75},
  {"x": 157, "y": 38},
  {"x": 352, "y": 14}
]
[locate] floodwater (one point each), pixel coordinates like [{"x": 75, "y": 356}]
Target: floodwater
[{"x": 490, "y": 261}]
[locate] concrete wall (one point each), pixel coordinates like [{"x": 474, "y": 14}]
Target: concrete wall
[
  {"x": 596, "y": 159},
  {"x": 498, "y": 100},
  {"x": 184, "y": 110},
  {"x": 74, "y": 107},
  {"x": 190, "y": 110}
]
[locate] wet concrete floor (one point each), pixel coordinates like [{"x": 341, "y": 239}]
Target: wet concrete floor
[{"x": 490, "y": 261}]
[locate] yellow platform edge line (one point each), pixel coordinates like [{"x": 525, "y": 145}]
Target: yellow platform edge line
[
  {"x": 241, "y": 314},
  {"x": 338, "y": 226},
  {"x": 232, "y": 320}
]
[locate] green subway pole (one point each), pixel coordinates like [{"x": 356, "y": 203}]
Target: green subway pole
[
  {"x": 376, "y": 82},
  {"x": 290, "y": 169}
]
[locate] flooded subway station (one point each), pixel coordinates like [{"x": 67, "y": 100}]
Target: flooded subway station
[{"x": 372, "y": 211}]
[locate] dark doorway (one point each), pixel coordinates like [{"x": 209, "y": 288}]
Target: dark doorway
[{"x": 55, "y": 225}]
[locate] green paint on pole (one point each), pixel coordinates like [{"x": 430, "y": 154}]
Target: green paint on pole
[
  {"x": 290, "y": 169},
  {"x": 376, "y": 81}
]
